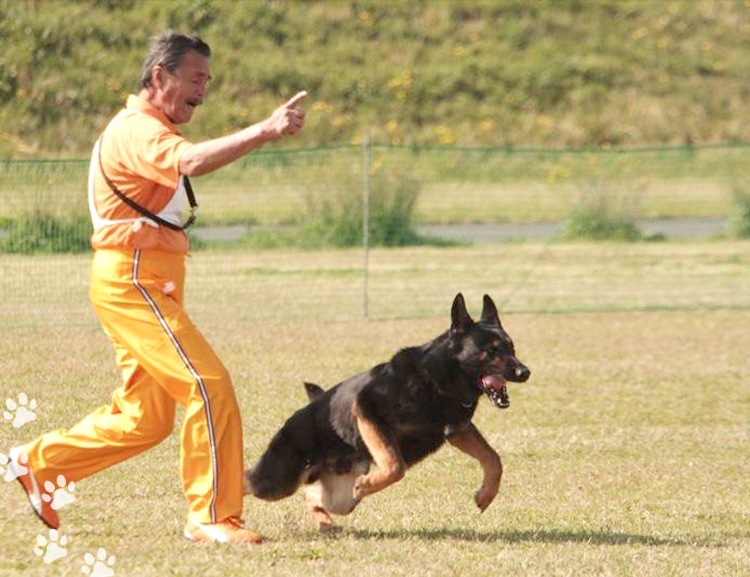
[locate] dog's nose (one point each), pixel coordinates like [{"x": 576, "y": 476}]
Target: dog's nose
[{"x": 522, "y": 373}]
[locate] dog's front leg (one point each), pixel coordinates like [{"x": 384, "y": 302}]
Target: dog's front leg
[
  {"x": 470, "y": 441},
  {"x": 385, "y": 454}
]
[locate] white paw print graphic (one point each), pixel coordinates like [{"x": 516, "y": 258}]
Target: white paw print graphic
[
  {"x": 15, "y": 464},
  {"x": 54, "y": 551},
  {"x": 99, "y": 568},
  {"x": 62, "y": 496},
  {"x": 23, "y": 414}
]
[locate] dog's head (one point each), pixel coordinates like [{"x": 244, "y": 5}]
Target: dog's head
[{"x": 485, "y": 352}]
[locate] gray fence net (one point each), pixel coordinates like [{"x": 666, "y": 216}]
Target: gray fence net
[{"x": 280, "y": 234}]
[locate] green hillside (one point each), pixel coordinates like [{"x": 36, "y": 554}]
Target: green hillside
[{"x": 499, "y": 73}]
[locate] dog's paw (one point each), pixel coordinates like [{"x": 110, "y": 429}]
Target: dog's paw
[
  {"x": 361, "y": 488},
  {"x": 484, "y": 497},
  {"x": 328, "y": 528}
]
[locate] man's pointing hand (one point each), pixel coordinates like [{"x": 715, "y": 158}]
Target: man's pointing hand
[{"x": 287, "y": 118}]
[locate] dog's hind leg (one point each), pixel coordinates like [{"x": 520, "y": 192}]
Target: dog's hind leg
[
  {"x": 312, "y": 495},
  {"x": 385, "y": 453},
  {"x": 333, "y": 493}
]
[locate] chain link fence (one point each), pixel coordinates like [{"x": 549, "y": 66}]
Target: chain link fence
[{"x": 280, "y": 235}]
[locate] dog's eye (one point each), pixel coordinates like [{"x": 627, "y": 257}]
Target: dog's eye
[{"x": 499, "y": 349}]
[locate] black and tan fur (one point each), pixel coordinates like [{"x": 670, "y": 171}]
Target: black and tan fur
[{"x": 393, "y": 416}]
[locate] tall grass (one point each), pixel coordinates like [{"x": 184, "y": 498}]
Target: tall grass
[
  {"x": 602, "y": 214},
  {"x": 739, "y": 219},
  {"x": 43, "y": 232},
  {"x": 332, "y": 213}
]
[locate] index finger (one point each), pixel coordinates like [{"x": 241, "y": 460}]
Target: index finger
[{"x": 297, "y": 98}]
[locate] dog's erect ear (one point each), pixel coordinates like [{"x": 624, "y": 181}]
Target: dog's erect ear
[
  {"x": 313, "y": 391},
  {"x": 489, "y": 312},
  {"x": 460, "y": 319}
]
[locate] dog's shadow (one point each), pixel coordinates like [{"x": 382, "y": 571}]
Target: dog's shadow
[{"x": 595, "y": 537}]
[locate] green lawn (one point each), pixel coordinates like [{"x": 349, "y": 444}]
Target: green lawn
[{"x": 625, "y": 454}]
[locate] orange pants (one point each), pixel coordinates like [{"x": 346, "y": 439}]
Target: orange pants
[{"x": 138, "y": 297}]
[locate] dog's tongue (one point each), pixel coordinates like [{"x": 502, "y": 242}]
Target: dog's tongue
[
  {"x": 495, "y": 388},
  {"x": 492, "y": 382}
]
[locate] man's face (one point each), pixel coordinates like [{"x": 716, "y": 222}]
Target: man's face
[{"x": 185, "y": 88}]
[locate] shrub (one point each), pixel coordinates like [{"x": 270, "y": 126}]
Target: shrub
[
  {"x": 42, "y": 232},
  {"x": 601, "y": 216},
  {"x": 196, "y": 242},
  {"x": 739, "y": 220},
  {"x": 333, "y": 216}
]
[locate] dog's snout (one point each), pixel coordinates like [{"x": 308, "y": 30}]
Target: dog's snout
[{"x": 522, "y": 373}]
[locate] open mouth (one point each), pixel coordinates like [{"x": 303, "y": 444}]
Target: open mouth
[
  {"x": 494, "y": 387},
  {"x": 194, "y": 102}
]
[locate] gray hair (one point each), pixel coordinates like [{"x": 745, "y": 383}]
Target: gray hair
[{"x": 168, "y": 51}]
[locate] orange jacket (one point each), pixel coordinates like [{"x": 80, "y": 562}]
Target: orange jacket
[{"x": 140, "y": 153}]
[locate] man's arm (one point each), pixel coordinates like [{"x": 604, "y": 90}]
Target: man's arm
[{"x": 211, "y": 155}]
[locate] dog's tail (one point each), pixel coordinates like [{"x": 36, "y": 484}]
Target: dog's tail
[{"x": 313, "y": 391}]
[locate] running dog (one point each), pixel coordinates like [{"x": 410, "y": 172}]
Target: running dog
[{"x": 393, "y": 416}]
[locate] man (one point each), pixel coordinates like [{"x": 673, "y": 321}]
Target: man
[{"x": 136, "y": 191}]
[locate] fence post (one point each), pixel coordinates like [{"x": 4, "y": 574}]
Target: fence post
[{"x": 366, "y": 217}]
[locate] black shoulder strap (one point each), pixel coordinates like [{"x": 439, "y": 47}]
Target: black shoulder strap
[
  {"x": 144, "y": 211},
  {"x": 191, "y": 200}
]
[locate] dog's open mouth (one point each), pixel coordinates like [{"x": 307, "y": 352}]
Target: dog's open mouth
[{"x": 494, "y": 387}]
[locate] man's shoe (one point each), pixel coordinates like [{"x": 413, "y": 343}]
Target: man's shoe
[
  {"x": 228, "y": 531},
  {"x": 21, "y": 470}
]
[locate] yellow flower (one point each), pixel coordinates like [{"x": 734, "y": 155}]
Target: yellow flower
[
  {"x": 445, "y": 135},
  {"x": 545, "y": 121},
  {"x": 320, "y": 106},
  {"x": 402, "y": 80}
]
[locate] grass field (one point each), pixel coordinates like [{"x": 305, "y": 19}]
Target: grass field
[{"x": 627, "y": 452}]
